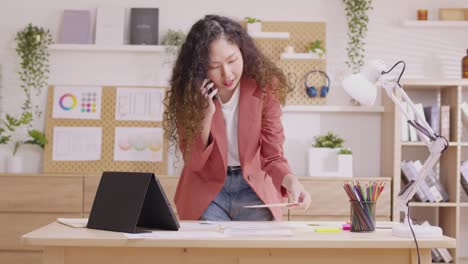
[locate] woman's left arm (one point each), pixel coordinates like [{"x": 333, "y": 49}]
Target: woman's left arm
[{"x": 272, "y": 156}]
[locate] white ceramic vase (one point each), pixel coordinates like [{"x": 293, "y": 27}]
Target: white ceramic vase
[
  {"x": 15, "y": 164},
  {"x": 254, "y": 27},
  {"x": 345, "y": 165},
  {"x": 323, "y": 162}
]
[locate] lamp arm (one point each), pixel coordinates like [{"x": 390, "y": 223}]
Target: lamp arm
[{"x": 434, "y": 142}]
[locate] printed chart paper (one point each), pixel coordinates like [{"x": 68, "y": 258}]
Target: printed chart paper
[
  {"x": 139, "y": 104},
  {"x": 77, "y": 102},
  {"x": 77, "y": 143},
  {"x": 138, "y": 144}
]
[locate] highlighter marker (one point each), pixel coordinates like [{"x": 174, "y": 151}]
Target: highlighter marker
[{"x": 327, "y": 229}]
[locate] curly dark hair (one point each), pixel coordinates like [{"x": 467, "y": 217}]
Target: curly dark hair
[{"x": 184, "y": 103}]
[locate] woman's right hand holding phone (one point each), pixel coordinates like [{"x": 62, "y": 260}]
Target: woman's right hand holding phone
[{"x": 209, "y": 92}]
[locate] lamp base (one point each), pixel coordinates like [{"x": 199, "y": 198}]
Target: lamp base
[{"x": 403, "y": 230}]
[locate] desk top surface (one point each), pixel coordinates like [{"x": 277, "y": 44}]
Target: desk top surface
[{"x": 303, "y": 236}]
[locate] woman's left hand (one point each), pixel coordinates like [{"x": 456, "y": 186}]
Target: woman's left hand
[{"x": 296, "y": 192}]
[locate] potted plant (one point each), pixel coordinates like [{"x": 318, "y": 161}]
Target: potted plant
[
  {"x": 345, "y": 162},
  {"x": 357, "y": 19},
  {"x": 323, "y": 155},
  {"x": 173, "y": 40},
  {"x": 17, "y": 132},
  {"x": 253, "y": 24},
  {"x": 32, "y": 48},
  {"x": 316, "y": 48}
]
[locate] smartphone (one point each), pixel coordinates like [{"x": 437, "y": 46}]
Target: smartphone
[{"x": 211, "y": 89}]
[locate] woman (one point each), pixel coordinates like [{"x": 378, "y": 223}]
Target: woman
[{"x": 223, "y": 110}]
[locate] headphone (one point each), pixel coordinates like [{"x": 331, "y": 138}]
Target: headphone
[{"x": 311, "y": 90}]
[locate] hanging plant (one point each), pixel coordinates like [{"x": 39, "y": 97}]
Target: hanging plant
[
  {"x": 32, "y": 49},
  {"x": 357, "y": 19}
]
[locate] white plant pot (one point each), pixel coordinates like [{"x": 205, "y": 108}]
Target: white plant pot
[
  {"x": 323, "y": 162},
  {"x": 15, "y": 164},
  {"x": 254, "y": 27},
  {"x": 345, "y": 165}
]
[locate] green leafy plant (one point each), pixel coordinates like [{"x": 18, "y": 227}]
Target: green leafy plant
[
  {"x": 357, "y": 19},
  {"x": 173, "y": 40},
  {"x": 328, "y": 140},
  {"x": 316, "y": 47},
  {"x": 251, "y": 20},
  {"x": 32, "y": 48},
  {"x": 15, "y": 131},
  {"x": 345, "y": 151}
]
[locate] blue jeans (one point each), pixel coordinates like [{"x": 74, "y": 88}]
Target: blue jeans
[{"x": 230, "y": 201}]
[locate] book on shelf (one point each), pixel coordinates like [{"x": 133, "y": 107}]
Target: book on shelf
[
  {"x": 409, "y": 173},
  {"x": 464, "y": 176},
  {"x": 413, "y": 135},
  {"x": 435, "y": 187},
  {"x": 404, "y": 124},
  {"x": 432, "y": 114},
  {"x": 420, "y": 111},
  {"x": 144, "y": 26},
  {"x": 76, "y": 27},
  {"x": 464, "y": 110},
  {"x": 110, "y": 24},
  {"x": 445, "y": 121}
]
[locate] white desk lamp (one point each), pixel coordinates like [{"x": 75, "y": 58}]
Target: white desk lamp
[{"x": 363, "y": 88}]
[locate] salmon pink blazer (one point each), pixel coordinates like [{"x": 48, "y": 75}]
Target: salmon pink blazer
[{"x": 260, "y": 142}]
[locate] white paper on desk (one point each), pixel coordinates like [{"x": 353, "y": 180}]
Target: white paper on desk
[
  {"x": 73, "y": 222},
  {"x": 200, "y": 226},
  {"x": 278, "y": 232},
  {"x": 271, "y": 205},
  {"x": 176, "y": 235},
  {"x": 77, "y": 143},
  {"x": 139, "y": 104},
  {"x": 138, "y": 144},
  {"x": 258, "y": 230}
]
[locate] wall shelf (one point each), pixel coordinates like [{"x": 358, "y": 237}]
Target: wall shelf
[
  {"x": 432, "y": 83},
  {"x": 425, "y": 204},
  {"x": 109, "y": 48},
  {"x": 422, "y": 144},
  {"x": 332, "y": 109},
  {"x": 300, "y": 56},
  {"x": 269, "y": 35},
  {"x": 434, "y": 23}
]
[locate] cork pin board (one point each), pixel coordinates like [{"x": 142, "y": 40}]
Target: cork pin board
[
  {"x": 300, "y": 35},
  {"x": 108, "y": 123}
]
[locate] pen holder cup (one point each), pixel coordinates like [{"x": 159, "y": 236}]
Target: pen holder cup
[{"x": 362, "y": 216}]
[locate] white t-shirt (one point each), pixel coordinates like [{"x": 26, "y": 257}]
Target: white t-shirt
[{"x": 231, "y": 113}]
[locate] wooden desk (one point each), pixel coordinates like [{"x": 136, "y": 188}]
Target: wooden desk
[{"x": 63, "y": 244}]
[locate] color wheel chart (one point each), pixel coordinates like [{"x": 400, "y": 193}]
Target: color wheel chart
[{"x": 76, "y": 109}]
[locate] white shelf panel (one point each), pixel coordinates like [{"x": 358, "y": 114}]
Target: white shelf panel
[
  {"x": 333, "y": 109},
  {"x": 434, "y": 23},
  {"x": 424, "y": 204},
  {"x": 422, "y": 144},
  {"x": 434, "y": 83},
  {"x": 108, "y": 48},
  {"x": 270, "y": 35},
  {"x": 300, "y": 56}
]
